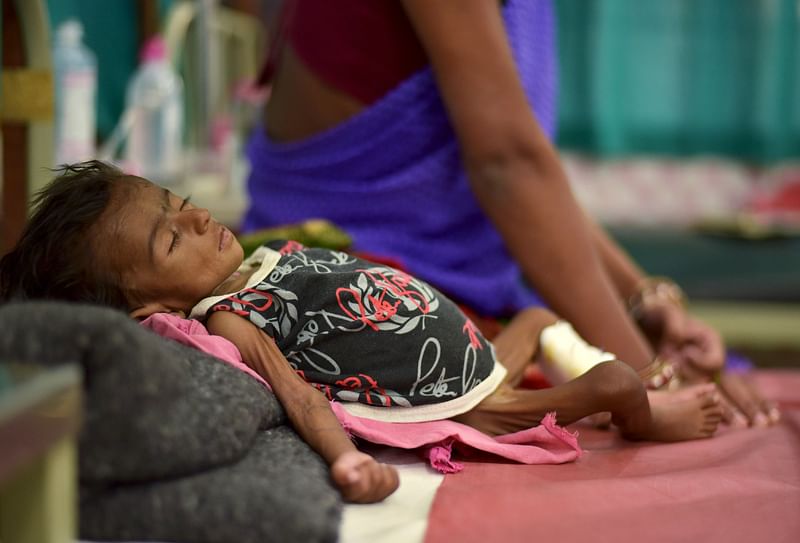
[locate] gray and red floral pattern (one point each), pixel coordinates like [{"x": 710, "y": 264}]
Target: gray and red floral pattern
[{"x": 363, "y": 332}]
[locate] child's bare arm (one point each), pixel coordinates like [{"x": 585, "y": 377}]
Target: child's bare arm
[{"x": 357, "y": 475}]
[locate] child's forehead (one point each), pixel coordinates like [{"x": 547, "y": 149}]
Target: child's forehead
[
  {"x": 146, "y": 193},
  {"x": 137, "y": 210},
  {"x": 137, "y": 203},
  {"x": 142, "y": 184}
]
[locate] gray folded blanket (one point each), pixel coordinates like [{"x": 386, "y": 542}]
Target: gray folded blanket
[{"x": 175, "y": 444}]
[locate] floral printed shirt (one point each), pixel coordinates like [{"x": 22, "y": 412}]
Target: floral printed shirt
[{"x": 365, "y": 334}]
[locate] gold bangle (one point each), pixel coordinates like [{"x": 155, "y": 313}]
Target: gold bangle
[
  {"x": 655, "y": 289},
  {"x": 659, "y": 375}
]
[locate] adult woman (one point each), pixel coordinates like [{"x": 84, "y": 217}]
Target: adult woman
[{"x": 423, "y": 128}]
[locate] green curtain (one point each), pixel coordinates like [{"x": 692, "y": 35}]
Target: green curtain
[{"x": 680, "y": 77}]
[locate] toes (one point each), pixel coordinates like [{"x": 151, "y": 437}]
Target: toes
[
  {"x": 710, "y": 398},
  {"x": 752, "y": 413},
  {"x": 717, "y": 411},
  {"x": 771, "y": 411},
  {"x": 709, "y": 430},
  {"x": 714, "y": 413},
  {"x": 728, "y": 412},
  {"x": 704, "y": 391},
  {"x": 739, "y": 420},
  {"x": 712, "y": 420},
  {"x": 746, "y": 399},
  {"x": 774, "y": 414}
]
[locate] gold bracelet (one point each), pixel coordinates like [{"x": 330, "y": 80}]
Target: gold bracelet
[
  {"x": 659, "y": 375},
  {"x": 653, "y": 289}
]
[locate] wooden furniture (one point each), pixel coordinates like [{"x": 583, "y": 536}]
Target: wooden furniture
[{"x": 26, "y": 112}]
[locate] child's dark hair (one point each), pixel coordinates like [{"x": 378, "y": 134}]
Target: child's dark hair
[{"x": 54, "y": 258}]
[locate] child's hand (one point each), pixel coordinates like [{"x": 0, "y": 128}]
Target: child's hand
[{"x": 361, "y": 479}]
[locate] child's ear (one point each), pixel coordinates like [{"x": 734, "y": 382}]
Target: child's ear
[{"x": 148, "y": 309}]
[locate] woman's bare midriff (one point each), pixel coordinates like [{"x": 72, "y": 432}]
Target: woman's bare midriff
[{"x": 301, "y": 104}]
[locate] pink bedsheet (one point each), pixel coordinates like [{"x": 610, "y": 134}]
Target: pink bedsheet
[{"x": 743, "y": 485}]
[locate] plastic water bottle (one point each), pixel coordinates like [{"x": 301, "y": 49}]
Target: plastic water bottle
[
  {"x": 75, "y": 70},
  {"x": 155, "y": 103}
]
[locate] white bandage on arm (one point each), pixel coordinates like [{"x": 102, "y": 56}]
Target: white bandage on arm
[{"x": 566, "y": 355}]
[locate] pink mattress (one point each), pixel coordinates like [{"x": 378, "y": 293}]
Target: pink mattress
[{"x": 742, "y": 485}]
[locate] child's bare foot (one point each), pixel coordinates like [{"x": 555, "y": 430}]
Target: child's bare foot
[{"x": 688, "y": 413}]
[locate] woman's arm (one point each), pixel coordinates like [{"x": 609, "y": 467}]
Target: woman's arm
[
  {"x": 359, "y": 477},
  {"x": 516, "y": 174},
  {"x": 671, "y": 330},
  {"x": 518, "y": 180},
  {"x": 625, "y": 274}
]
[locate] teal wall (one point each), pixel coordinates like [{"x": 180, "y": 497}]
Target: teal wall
[{"x": 680, "y": 77}]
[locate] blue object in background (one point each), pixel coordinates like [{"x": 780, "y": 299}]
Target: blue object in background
[{"x": 736, "y": 362}]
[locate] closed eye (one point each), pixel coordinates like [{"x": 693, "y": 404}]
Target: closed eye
[
  {"x": 176, "y": 239},
  {"x": 176, "y": 236}
]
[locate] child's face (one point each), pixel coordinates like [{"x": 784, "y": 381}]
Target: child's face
[{"x": 170, "y": 253}]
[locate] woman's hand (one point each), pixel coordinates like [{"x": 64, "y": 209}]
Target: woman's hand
[
  {"x": 677, "y": 336},
  {"x": 749, "y": 407},
  {"x": 362, "y": 479},
  {"x": 699, "y": 351}
]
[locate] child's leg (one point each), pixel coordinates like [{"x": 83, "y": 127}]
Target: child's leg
[
  {"x": 610, "y": 386},
  {"x": 518, "y": 342},
  {"x": 537, "y": 333},
  {"x": 605, "y": 386}
]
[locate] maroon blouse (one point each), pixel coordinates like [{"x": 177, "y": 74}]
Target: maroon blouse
[{"x": 361, "y": 47}]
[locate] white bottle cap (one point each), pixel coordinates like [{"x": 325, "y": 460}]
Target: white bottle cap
[{"x": 70, "y": 32}]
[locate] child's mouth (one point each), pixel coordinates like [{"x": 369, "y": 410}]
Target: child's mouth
[{"x": 224, "y": 237}]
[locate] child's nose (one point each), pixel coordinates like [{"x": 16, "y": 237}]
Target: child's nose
[{"x": 199, "y": 218}]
